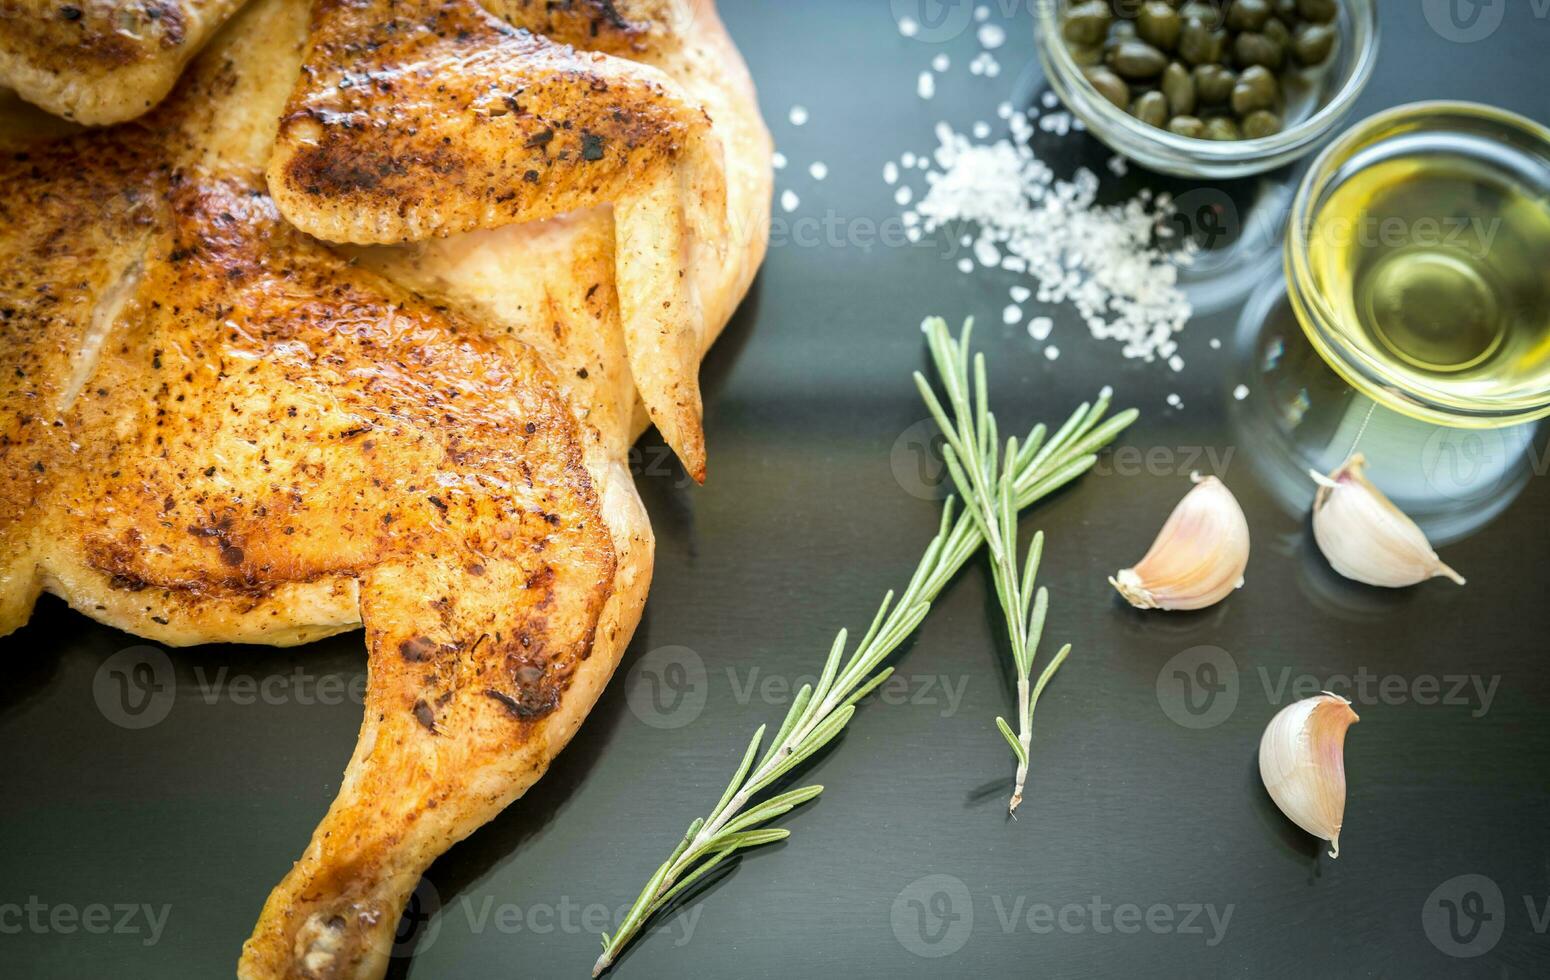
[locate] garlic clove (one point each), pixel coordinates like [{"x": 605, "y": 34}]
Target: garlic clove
[
  {"x": 1198, "y": 557},
  {"x": 1302, "y": 763},
  {"x": 1365, "y": 537}
]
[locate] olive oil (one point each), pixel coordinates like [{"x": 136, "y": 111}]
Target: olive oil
[{"x": 1434, "y": 263}]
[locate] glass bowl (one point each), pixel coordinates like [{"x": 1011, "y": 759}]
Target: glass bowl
[
  {"x": 1312, "y": 112},
  {"x": 1493, "y": 141}
]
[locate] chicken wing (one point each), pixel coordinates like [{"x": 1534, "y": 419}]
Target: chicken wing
[
  {"x": 102, "y": 61},
  {"x": 416, "y": 118}
]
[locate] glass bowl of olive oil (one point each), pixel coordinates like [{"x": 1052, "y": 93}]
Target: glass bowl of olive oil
[{"x": 1418, "y": 262}]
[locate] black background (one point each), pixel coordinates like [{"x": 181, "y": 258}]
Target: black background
[{"x": 801, "y": 528}]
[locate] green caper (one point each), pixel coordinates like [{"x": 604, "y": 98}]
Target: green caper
[
  {"x": 1286, "y": 11},
  {"x": 1222, "y": 128},
  {"x": 1248, "y": 15},
  {"x": 1122, "y": 30},
  {"x": 1086, "y": 23},
  {"x": 1318, "y": 11},
  {"x": 1187, "y": 126},
  {"x": 1159, "y": 25},
  {"x": 1199, "y": 44},
  {"x": 1179, "y": 88},
  {"x": 1256, "y": 89},
  {"x": 1312, "y": 43},
  {"x": 1136, "y": 59},
  {"x": 1086, "y": 55},
  {"x": 1213, "y": 83},
  {"x": 1260, "y": 123},
  {"x": 1151, "y": 109},
  {"x": 1277, "y": 32},
  {"x": 1209, "y": 14},
  {"x": 1109, "y": 85},
  {"x": 1254, "y": 48}
]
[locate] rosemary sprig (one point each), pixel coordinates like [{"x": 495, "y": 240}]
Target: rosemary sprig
[
  {"x": 820, "y": 711},
  {"x": 986, "y": 481}
]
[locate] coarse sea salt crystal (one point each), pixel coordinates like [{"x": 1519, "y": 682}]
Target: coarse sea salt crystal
[
  {"x": 981, "y": 130},
  {"x": 789, "y": 200},
  {"x": 965, "y": 265},
  {"x": 909, "y": 26},
  {"x": 991, "y": 36},
  {"x": 925, "y": 85},
  {"x": 890, "y": 172},
  {"x": 798, "y": 115},
  {"x": 1241, "y": 392},
  {"x": 1012, "y": 314},
  {"x": 1216, "y": 343},
  {"x": 1175, "y": 400},
  {"x": 1052, "y": 352},
  {"x": 1049, "y": 100},
  {"x": 1039, "y": 327},
  {"x": 1004, "y": 110},
  {"x": 941, "y": 62},
  {"x": 1176, "y": 362},
  {"x": 1102, "y": 260},
  {"x": 982, "y": 13},
  {"x": 1020, "y": 294},
  {"x": 818, "y": 169},
  {"x": 903, "y": 195},
  {"x": 778, "y": 161}
]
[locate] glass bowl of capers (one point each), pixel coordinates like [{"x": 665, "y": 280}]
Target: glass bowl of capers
[{"x": 1209, "y": 88}]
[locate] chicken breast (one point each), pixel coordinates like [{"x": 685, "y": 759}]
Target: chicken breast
[{"x": 217, "y": 428}]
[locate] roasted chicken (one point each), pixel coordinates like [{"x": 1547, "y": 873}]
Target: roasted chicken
[{"x": 306, "y": 348}]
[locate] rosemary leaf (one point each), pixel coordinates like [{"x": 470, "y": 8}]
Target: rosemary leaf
[{"x": 1033, "y": 468}]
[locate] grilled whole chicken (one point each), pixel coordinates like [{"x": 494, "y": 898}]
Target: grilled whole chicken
[{"x": 217, "y": 427}]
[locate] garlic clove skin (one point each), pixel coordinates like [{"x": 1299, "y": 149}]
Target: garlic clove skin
[
  {"x": 1302, "y": 763},
  {"x": 1198, "y": 557},
  {"x": 1365, "y": 537}
]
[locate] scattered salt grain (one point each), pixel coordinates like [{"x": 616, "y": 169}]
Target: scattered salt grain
[
  {"x": 1052, "y": 352},
  {"x": 890, "y": 172},
  {"x": 903, "y": 195},
  {"x": 1020, "y": 294},
  {"x": 908, "y": 159},
  {"x": 981, "y": 130},
  {"x": 818, "y": 169},
  {"x": 1176, "y": 362},
  {"x": 941, "y": 62},
  {"x": 1004, "y": 110},
  {"x": 965, "y": 265},
  {"x": 1049, "y": 100},
  {"x": 1012, "y": 314},
  {"x": 925, "y": 85},
  {"x": 1216, "y": 343},
  {"x": 991, "y": 36},
  {"x": 798, "y": 115},
  {"x": 1103, "y": 260},
  {"x": 982, "y": 13},
  {"x": 1241, "y": 392},
  {"x": 909, "y": 26},
  {"x": 1175, "y": 400},
  {"x": 1119, "y": 166},
  {"x": 789, "y": 200},
  {"x": 778, "y": 161}
]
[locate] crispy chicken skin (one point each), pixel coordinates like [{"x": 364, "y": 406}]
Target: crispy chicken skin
[
  {"x": 214, "y": 427},
  {"x": 102, "y": 61},
  {"x": 416, "y": 118}
]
